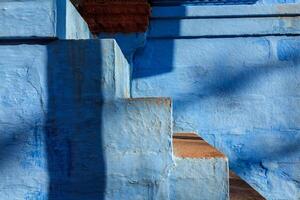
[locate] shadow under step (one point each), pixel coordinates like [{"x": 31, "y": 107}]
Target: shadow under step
[
  {"x": 240, "y": 190},
  {"x": 200, "y": 171}
]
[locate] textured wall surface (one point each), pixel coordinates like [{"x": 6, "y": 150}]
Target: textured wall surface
[
  {"x": 41, "y": 19},
  {"x": 63, "y": 136},
  {"x": 138, "y": 148},
  {"x": 202, "y": 178},
  {"x": 200, "y": 2},
  {"x": 239, "y": 91},
  {"x": 68, "y": 127}
]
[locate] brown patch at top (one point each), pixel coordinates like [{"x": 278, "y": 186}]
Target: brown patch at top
[
  {"x": 190, "y": 145},
  {"x": 115, "y": 16}
]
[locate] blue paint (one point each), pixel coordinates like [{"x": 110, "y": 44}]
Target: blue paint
[
  {"x": 128, "y": 43},
  {"x": 219, "y": 11},
  {"x": 69, "y": 128},
  {"x": 202, "y": 178},
  {"x": 235, "y": 83},
  {"x": 41, "y": 19},
  {"x": 69, "y": 131},
  {"x": 219, "y": 27},
  {"x": 200, "y": 2},
  {"x": 289, "y": 50}
]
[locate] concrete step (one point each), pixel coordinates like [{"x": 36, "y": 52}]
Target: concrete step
[
  {"x": 200, "y": 172},
  {"x": 136, "y": 137},
  {"x": 97, "y": 66},
  {"x": 78, "y": 68},
  {"x": 69, "y": 129}
]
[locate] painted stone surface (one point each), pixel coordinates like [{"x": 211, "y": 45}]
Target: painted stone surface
[
  {"x": 67, "y": 132},
  {"x": 202, "y": 178},
  {"x": 68, "y": 127},
  {"x": 200, "y": 2},
  {"x": 199, "y": 172},
  {"x": 41, "y": 19},
  {"x": 239, "y": 92}
]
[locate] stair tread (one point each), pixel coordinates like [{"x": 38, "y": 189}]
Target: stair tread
[{"x": 190, "y": 145}]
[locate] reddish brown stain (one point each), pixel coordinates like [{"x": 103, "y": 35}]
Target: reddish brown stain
[
  {"x": 190, "y": 145},
  {"x": 240, "y": 190},
  {"x": 115, "y": 16}
]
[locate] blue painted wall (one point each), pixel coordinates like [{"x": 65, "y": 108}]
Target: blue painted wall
[
  {"x": 24, "y": 19},
  {"x": 236, "y": 83},
  {"x": 68, "y": 129}
]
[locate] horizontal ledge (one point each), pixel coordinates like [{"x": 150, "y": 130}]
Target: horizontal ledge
[
  {"x": 225, "y": 27},
  {"x": 27, "y": 40},
  {"x": 224, "y": 36},
  {"x": 154, "y": 99},
  {"x": 225, "y": 11}
]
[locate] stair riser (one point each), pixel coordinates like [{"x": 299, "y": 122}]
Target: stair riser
[{"x": 202, "y": 178}]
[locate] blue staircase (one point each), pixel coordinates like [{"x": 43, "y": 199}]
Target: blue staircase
[{"x": 69, "y": 128}]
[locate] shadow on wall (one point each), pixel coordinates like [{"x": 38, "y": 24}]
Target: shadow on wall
[
  {"x": 51, "y": 120},
  {"x": 161, "y": 59},
  {"x": 76, "y": 164},
  {"x": 251, "y": 113},
  {"x": 221, "y": 102}
]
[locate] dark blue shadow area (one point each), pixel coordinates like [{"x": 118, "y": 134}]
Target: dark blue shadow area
[
  {"x": 227, "y": 83},
  {"x": 10, "y": 145},
  {"x": 161, "y": 59},
  {"x": 76, "y": 164},
  {"x": 154, "y": 62}
]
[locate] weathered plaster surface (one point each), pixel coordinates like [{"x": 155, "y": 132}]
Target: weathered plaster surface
[
  {"x": 238, "y": 92},
  {"x": 68, "y": 127},
  {"x": 41, "y": 19},
  {"x": 65, "y": 132},
  {"x": 99, "y": 60},
  {"x": 137, "y": 145},
  {"x": 196, "y": 178}
]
